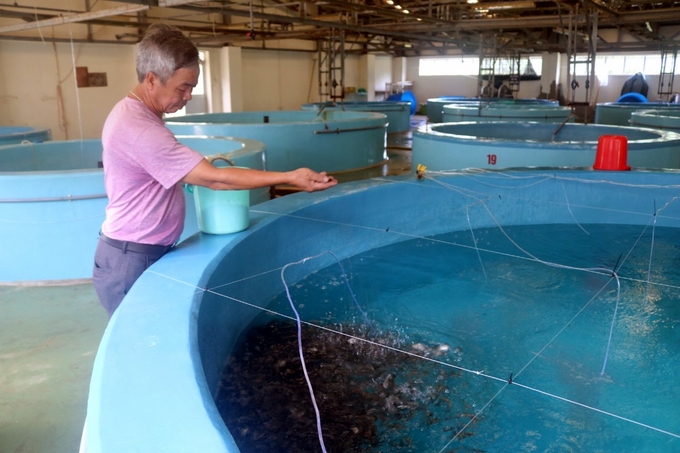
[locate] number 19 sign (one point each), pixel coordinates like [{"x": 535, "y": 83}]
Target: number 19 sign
[{"x": 491, "y": 159}]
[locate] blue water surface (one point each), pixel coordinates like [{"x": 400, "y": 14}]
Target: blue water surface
[{"x": 521, "y": 317}]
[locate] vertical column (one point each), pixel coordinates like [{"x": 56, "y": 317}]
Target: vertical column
[
  {"x": 551, "y": 72},
  {"x": 367, "y": 75},
  {"x": 399, "y": 70},
  {"x": 232, "y": 79}
]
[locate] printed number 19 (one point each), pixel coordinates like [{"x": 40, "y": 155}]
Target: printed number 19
[{"x": 491, "y": 159}]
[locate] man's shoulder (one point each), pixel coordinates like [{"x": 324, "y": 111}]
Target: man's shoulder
[{"x": 128, "y": 120}]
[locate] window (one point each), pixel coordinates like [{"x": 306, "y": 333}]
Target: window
[
  {"x": 469, "y": 66},
  {"x": 448, "y": 66},
  {"x": 607, "y": 65},
  {"x": 617, "y": 65}
]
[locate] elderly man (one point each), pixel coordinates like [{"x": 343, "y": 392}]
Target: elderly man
[{"x": 145, "y": 167}]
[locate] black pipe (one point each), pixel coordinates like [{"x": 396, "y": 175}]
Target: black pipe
[{"x": 340, "y": 131}]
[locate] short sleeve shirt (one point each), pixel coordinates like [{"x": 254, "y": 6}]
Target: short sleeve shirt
[{"x": 143, "y": 168}]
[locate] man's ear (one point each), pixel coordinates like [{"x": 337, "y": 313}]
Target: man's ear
[{"x": 151, "y": 81}]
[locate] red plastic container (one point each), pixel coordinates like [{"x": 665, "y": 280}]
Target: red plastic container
[{"x": 612, "y": 153}]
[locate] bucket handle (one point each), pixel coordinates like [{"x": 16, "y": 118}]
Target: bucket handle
[
  {"x": 221, "y": 158},
  {"x": 190, "y": 187}
]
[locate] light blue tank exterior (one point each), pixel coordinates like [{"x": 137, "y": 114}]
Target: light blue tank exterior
[
  {"x": 435, "y": 106},
  {"x": 52, "y": 196},
  {"x": 398, "y": 113},
  {"x": 494, "y": 145},
  {"x": 618, "y": 113},
  {"x": 53, "y": 201},
  {"x": 169, "y": 364},
  {"x": 17, "y": 134},
  {"x": 329, "y": 141},
  {"x": 547, "y": 113}
]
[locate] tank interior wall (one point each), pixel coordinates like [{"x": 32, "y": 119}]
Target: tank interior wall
[{"x": 154, "y": 360}]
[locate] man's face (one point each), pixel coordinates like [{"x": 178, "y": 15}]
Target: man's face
[{"x": 176, "y": 92}]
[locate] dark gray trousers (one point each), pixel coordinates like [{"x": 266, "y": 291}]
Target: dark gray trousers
[{"x": 115, "y": 270}]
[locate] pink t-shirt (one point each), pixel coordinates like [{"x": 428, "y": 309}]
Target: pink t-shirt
[{"x": 143, "y": 167}]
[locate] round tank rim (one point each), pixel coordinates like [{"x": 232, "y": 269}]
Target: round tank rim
[
  {"x": 639, "y": 105},
  {"x": 495, "y": 111},
  {"x": 25, "y": 130},
  {"x": 51, "y": 143},
  {"x": 468, "y": 99},
  {"x": 248, "y": 145},
  {"x": 315, "y": 119},
  {"x": 482, "y": 171},
  {"x": 663, "y": 136},
  {"x": 361, "y": 103},
  {"x": 52, "y": 172},
  {"x": 369, "y": 107},
  {"x": 518, "y": 107},
  {"x": 655, "y": 113},
  {"x": 659, "y": 119}
]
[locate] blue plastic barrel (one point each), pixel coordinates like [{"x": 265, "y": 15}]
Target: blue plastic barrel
[
  {"x": 406, "y": 96},
  {"x": 632, "y": 97}
]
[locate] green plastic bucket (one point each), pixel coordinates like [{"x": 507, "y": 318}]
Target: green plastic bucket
[{"x": 221, "y": 211}]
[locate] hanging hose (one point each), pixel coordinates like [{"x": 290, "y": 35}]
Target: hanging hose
[
  {"x": 299, "y": 332},
  {"x": 559, "y": 128}
]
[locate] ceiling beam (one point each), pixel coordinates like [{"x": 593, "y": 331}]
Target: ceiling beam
[
  {"x": 82, "y": 17},
  {"x": 318, "y": 23}
]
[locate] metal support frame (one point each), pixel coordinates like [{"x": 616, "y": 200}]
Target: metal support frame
[
  {"x": 490, "y": 60},
  {"x": 487, "y": 69},
  {"x": 667, "y": 75},
  {"x": 332, "y": 66},
  {"x": 515, "y": 61},
  {"x": 577, "y": 40}
]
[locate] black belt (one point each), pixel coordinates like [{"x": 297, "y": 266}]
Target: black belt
[{"x": 136, "y": 247}]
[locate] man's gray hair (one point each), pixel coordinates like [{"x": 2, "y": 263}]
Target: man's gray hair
[{"x": 163, "y": 50}]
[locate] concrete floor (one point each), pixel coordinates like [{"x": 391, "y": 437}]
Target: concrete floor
[{"x": 49, "y": 337}]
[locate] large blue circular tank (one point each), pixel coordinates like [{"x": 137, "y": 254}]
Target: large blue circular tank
[
  {"x": 167, "y": 344},
  {"x": 53, "y": 202},
  {"x": 545, "y": 113},
  {"x": 618, "y": 113},
  {"x": 398, "y": 113},
  {"x": 658, "y": 119},
  {"x": 330, "y": 140},
  {"x": 494, "y": 145},
  {"x": 18, "y": 134},
  {"x": 435, "y": 106}
]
